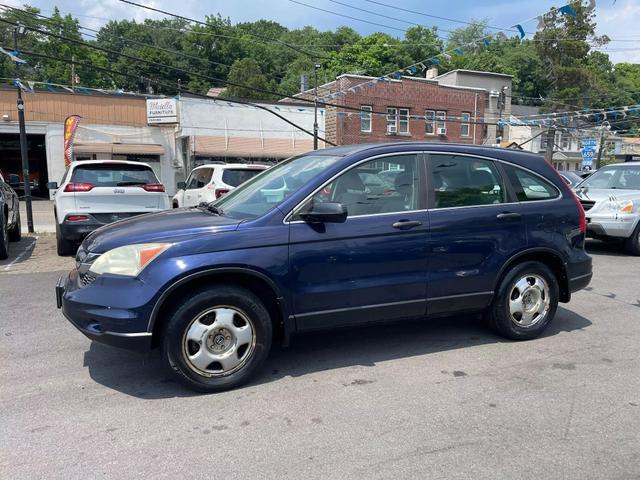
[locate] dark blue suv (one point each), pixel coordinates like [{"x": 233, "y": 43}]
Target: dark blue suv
[{"x": 344, "y": 236}]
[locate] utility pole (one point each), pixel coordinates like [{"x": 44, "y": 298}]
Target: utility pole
[
  {"x": 315, "y": 105},
  {"x": 501, "y": 104},
  {"x": 551, "y": 141},
  {"x": 73, "y": 73},
  {"x": 603, "y": 128},
  {"x": 23, "y": 142}
]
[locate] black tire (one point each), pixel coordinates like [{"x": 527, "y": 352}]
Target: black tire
[
  {"x": 632, "y": 244},
  {"x": 175, "y": 343},
  {"x": 4, "y": 238},
  {"x": 63, "y": 246},
  {"x": 175, "y": 205},
  {"x": 15, "y": 234},
  {"x": 499, "y": 316}
]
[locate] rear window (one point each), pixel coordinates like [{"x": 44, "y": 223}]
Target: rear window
[
  {"x": 113, "y": 175},
  {"x": 236, "y": 176},
  {"x": 530, "y": 187}
]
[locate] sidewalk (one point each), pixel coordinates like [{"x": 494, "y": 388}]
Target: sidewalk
[{"x": 43, "y": 217}]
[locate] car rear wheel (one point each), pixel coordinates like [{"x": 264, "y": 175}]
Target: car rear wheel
[
  {"x": 217, "y": 338},
  {"x": 63, "y": 246},
  {"x": 4, "y": 238},
  {"x": 525, "y": 303},
  {"x": 15, "y": 234},
  {"x": 632, "y": 244}
]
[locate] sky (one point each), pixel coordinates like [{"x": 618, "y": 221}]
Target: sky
[{"x": 616, "y": 18}]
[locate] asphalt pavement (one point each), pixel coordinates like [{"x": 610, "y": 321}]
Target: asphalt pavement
[{"x": 441, "y": 398}]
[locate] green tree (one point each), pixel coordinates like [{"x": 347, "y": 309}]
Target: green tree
[{"x": 246, "y": 80}]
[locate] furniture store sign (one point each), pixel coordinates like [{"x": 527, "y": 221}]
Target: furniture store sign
[{"x": 162, "y": 110}]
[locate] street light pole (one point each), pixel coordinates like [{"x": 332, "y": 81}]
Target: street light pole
[
  {"x": 23, "y": 143},
  {"x": 603, "y": 127},
  {"x": 315, "y": 105}
]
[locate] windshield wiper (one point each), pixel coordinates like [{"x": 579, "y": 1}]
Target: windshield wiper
[
  {"x": 129, "y": 184},
  {"x": 210, "y": 208}
]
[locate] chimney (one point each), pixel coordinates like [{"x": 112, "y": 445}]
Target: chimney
[{"x": 432, "y": 72}]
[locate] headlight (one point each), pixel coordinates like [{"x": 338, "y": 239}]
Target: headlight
[
  {"x": 614, "y": 206},
  {"x": 129, "y": 260}
]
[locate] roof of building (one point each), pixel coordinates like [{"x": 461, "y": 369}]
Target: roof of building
[
  {"x": 524, "y": 110},
  {"x": 474, "y": 72}
]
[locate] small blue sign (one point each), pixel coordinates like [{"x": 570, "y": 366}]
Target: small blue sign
[
  {"x": 587, "y": 158},
  {"x": 589, "y": 142}
]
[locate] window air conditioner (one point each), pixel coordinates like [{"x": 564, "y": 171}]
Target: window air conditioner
[{"x": 442, "y": 131}]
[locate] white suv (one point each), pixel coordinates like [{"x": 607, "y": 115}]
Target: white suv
[
  {"x": 93, "y": 193},
  {"x": 209, "y": 182}
]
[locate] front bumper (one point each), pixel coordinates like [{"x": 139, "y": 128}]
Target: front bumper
[
  {"x": 611, "y": 225},
  {"x": 104, "y": 324}
]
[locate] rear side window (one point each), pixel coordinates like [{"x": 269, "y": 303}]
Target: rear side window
[
  {"x": 462, "y": 181},
  {"x": 530, "y": 187},
  {"x": 236, "y": 176},
  {"x": 199, "y": 178},
  {"x": 113, "y": 175}
]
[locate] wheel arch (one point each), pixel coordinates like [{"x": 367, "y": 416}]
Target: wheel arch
[
  {"x": 258, "y": 283},
  {"x": 548, "y": 257}
]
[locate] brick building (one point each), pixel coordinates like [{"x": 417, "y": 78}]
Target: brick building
[{"x": 408, "y": 108}]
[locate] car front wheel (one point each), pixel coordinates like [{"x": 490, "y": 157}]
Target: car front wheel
[
  {"x": 217, "y": 338},
  {"x": 525, "y": 303},
  {"x": 632, "y": 244}
]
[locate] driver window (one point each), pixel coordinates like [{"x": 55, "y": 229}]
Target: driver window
[{"x": 385, "y": 185}]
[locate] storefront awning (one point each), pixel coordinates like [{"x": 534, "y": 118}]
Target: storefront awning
[
  {"x": 248, "y": 147},
  {"x": 119, "y": 148}
]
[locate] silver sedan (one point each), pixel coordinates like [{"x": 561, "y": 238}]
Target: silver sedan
[{"x": 611, "y": 200}]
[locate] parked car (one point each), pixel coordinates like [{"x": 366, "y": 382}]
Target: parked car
[
  {"x": 214, "y": 286},
  {"x": 611, "y": 199},
  {"x": 571, "y": 178},
  {"x": 93, "y": 193},
  {"x": 207, "y": 183},
  {"x": 9, "y": 218}
]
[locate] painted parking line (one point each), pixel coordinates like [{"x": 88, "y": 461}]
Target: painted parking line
[{"x": 30, "y": 247}]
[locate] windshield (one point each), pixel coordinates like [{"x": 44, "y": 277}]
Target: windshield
[
  {"x": 263, "y": 192},
  {"x": 625, "y": 178}
]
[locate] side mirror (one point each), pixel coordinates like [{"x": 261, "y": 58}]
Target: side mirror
[
  {"x": 52, "y": 185},
  {"x": 181, "y": 185},
  {"x": 324, "y": 212}
]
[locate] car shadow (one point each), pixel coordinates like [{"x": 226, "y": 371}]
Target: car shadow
[
  {"x": 19, "y": 251},
  {"x": 146, "y": 377},
  {"x": 612, "y": 248}
]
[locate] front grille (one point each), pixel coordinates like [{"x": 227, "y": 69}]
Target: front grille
[
  {"x": 112, "y": 217},
  {"x": 587, "y": 204},
  {"x": 87, "y": 279}
]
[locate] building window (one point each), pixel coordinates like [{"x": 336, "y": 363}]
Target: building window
[
  {"x": 392, "y": 119},
  {"x": 441, "y": 116},
  {"x": 403, "y": 121},
  {"x": 464, "y": 126},
  {"x": 365, "y": 118},
  {"x": 566, "y": 140},
  {"x": 430, "y": 122}
]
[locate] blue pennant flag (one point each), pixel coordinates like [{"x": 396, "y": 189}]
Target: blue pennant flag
[
  {"x": 521, "y": 30},
  {"x": 568, "y": 10},
  {"x": 412, "y": 69},
  {"x": 458, "y": 51},
  {"x": 486, "y": 41},
  {"x": 396, "y": 75},
  {"x": 434, "y": 60}
]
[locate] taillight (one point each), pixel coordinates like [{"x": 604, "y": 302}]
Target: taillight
[
  {"x": 78, "y": 187},
  {"x": 221, "y": 191},
  {"x": 77, "y": 218},
  {"x": 153, "y": 187},
  {"x": 583, "y": 217}
]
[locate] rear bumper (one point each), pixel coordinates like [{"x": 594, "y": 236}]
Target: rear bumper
[
  {"x": 579, "y": 272},
  {"x": 76, "y": 231},
  {"x": 110, "y": 326}
]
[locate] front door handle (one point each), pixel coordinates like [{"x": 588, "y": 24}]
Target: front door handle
[
  {"x": 508, "y": 216},
  {"x": 406, "y": 224}
]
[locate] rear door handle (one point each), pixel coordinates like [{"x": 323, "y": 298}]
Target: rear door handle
[
  {"x": 508, "y": 216},
  {"x": 406, "y": 224}
]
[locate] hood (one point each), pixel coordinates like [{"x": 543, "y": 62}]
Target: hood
[
  {"x": 599, "y": 194},
  {"x": 165, "y": 226}
]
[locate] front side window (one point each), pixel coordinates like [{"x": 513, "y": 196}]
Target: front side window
[
  {"x": 461, "y": 181},
  {"x": 464, "y": 125},
  {"x": 384, "y": 185},
  {"x": 365, "y": 118},
  {"x": 430, "y": 122},
  {"x": 199, "y": 178},
  {"x": 392, "y": 118},
  {"x": 530, "y": 186}
]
